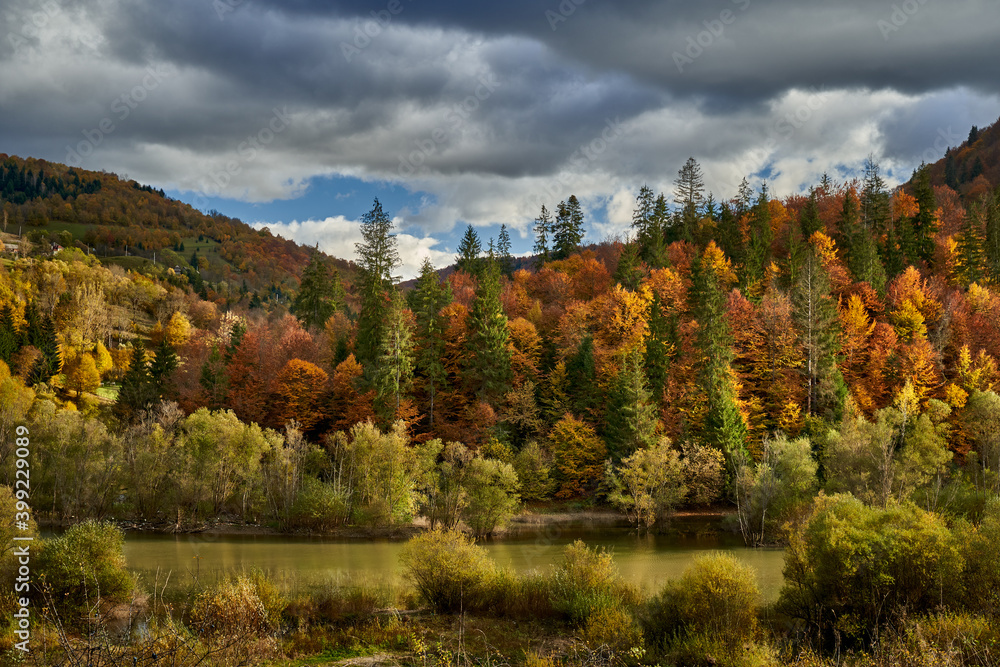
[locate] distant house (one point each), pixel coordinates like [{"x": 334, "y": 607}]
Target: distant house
[{"x": 12, "y": 248}]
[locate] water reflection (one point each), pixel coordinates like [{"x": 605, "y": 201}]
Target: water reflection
[{"x": 647, "y": 560}]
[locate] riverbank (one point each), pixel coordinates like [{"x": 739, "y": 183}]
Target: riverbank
[{"x": 531, "y": 518}]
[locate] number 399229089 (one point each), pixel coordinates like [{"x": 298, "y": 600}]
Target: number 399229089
[{"x": 22, "y": 483}]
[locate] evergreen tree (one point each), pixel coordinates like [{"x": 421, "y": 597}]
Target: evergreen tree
[
  {"x": 744, "y": 198},
  {"x": 951, "y": 172},
  {"x": 469, "y": 251},
  {"x": 816, "y": 317},
  {"x": 544, "y": 228},
  {"x": 568, "y": 228},
  {"x": 629, "y": 273},
  {"x": 874, "y": 199},
  {"x": 44, "y": 338},
  {"x": 378, "y": 257},
  {"x": 861, "y": 250},
  {"x": 689, "y": 194},
  {"x": 631, "y": 422},
  {"x": 648, "y": 223},
  {"x": 991, "y": 246},
  {"x": 894, "y": 257},
  {"x": 724, "y": 426},
  {"x": 655, "y": 252},
  {"x": 488, "y": 370},
  {"x": 642, "y": 215},
  {"x": 809, "y": 221},
  {"x": 758, "y": 253},
  {"x": 924, "y": 224},
  {"x": 970, "y": 247},
  {"x": 429, "y": 297},
  {"x": 162, "y": 367},
  {"x": 659, "y": 348},
  {"x": 729, "y": 238},
  {"x": 320, "y": 293},
  {"x": 581, "y": 380},
  {"x": 503, "y": 252},
  {"x": 137, "y": 390},
  {"x": 394, "y": 368},
  {"x": 10, "y": 340}
]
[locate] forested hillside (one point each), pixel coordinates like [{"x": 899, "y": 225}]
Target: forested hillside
[{"x": 852, "y": 330}]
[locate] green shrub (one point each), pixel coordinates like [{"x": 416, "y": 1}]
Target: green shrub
[
  {"x": 84, "y": 569},
  {"x": 333, "y": 603},
  {"x": 613, "y": 627},
  {"x": 319, "y": 506},
  {"x": 586, "y": 581},
  {"x": 852, "y": 568},
  {"x": 717, "y": 596},
  {"x": 710, "y": 650},
  {"x": 449, "y": 572},
  {"x": 979, "y": 546},
  {"x": 524, "y": 596}
]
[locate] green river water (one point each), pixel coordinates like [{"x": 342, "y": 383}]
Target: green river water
[{"x": 647, "y": 560}]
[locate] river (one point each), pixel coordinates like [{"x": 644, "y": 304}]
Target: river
[{"x": 648, "y": 561}]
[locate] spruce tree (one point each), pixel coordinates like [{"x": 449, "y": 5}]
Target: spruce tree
[
  {"x": 137, "y": 390},
  {"x": 44, "y": 338},
  {"x": 543, "y": 234},
  {"x": 214, "y": 380},
  {"x": 428, "y": 299},
  {"x": 659, "y": 348},
  {"x": 10, "y": 340},
  {"x": 970, "y": 247},
  {"x": 488, "y": 370},
  {"x": 630, "y": 422},
  {"x": 568, "y": 228},
  {"x": 394, "y": 369},
  {"x": 689, "y": 194},
  {"x": 991, "y": 244},
  {"x": 164, "y": 363},
  {"x": 924, "y": 223},
  {"x": 815, "y": 315},
  {"x": 629, "y": 273},
  {"x": 469, "y": 251},
  {"x": 758, "y": 254},
  {"x": 809, "y": 221},
  {"x": 724, "y": 426},
  {"x": 874, "y": 199},
  {"x": 320, "y": 293},
  {"x": 504, "y": 257},
  {"x": 581, "y": 380},
  {"x": 378, "y": 258}
]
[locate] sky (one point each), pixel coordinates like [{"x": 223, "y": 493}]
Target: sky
[{"x": 297, "y": 114}]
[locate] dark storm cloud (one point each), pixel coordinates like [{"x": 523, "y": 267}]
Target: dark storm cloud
[{"x": 480, "y": 103}]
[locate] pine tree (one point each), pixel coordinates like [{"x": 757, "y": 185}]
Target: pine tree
[
  {"x": 503, "y": 252},
  {"x": 10, "y": 340},
  {"x": 874, "y": 199},
  {"x": 568, "y": 228},
  {"x": 378, "y": 257},
  {"x": 164, "y": 363},
  {"x": 729, "y": 237},
  {"x": 394, "y": 368},
  {"x": 655, "y": 252},
  {"x": 724, "y": 426},
  {"x": 631, "y": 422},
  {"x": 488, "y": 370},
  {"x": 659, "y": 348},
  {"x": 816, "y": 317},
  {"x": 689, "y": 194},
  {"x": 809, "y": 221},
  {"x": 429, "y": 297},
  {"x": 758, "y": 254},
  {"x": 44, "y": 338},
  {"x": 647, "y": 233},
  {"x": 861, "y": 250},
  {"x": 991, "y": 245},
  {"x": 970, "y": 247},
  {"x": 924, "y": 224},
  {"x": 469, "y": 251},
  {"x": 137, "y": 391},
  {"x": 543, "y": 233},
  {"x": 320, "y": 293},
  {"x": 581, "y": 379},
  {"x": 628, "y": 273}
]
